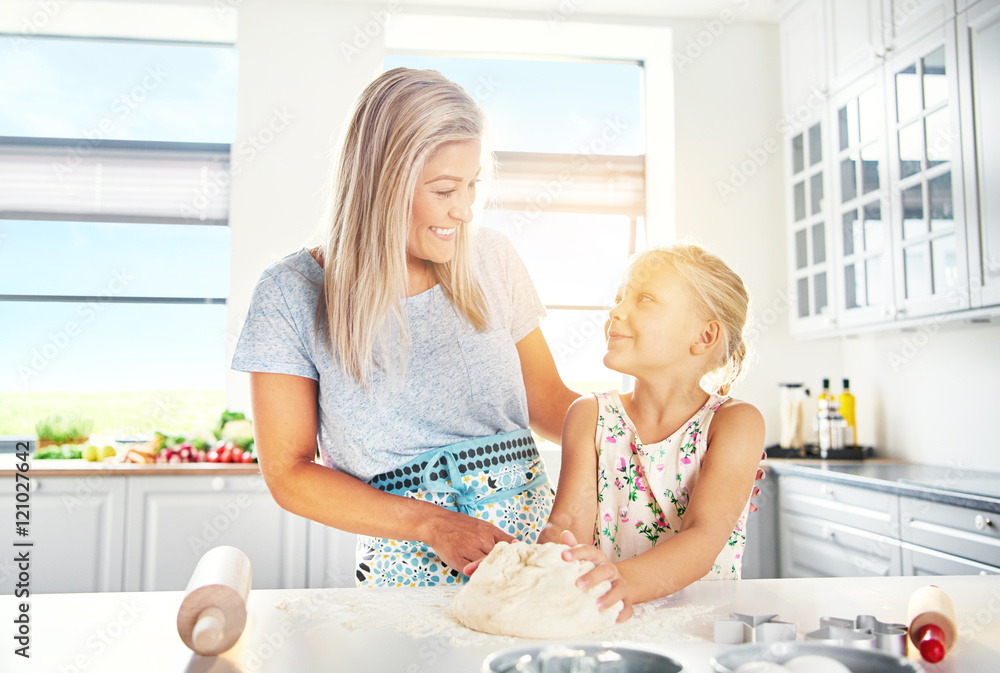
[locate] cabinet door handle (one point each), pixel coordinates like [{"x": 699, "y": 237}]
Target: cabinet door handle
[
  {"x": 982, "y": 522},
  {"x": 828, "y": 491},
  {"x": 34, "y": 485},
  {"x": 218, "y": 484},
  {"x": 827, "y": 533}
]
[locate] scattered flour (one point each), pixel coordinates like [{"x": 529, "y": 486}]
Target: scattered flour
[{"x": 427, "y": 612}]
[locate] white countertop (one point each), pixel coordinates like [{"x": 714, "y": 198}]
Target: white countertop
[{"x": 126, "y": 632}]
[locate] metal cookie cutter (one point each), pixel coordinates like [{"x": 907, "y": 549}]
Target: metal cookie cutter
[
  {"x": 752, "y": 629},
  {"x": 864, "y": 632}
]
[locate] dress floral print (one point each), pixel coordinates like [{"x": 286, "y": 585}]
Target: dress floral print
[{"x": 644, "y": 489}]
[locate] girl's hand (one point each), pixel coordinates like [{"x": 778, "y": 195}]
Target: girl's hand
[
  {"x": 604, "y": 571},
  {"x": 758, "y": 477}
]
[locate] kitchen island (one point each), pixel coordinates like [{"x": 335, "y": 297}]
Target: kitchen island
[{"x": 311, "y": 630}]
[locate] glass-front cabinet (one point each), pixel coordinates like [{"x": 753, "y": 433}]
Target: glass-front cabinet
[
  {"x": 811, "y": 290},
  {"x": 862, "y": 239},
  {"x": 925, "y": 165},
  {"x": 979, "y": 77}
]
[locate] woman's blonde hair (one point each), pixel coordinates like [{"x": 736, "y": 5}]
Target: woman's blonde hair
[
  {"x": 717, "y": 293},
  {"x": 400, "y": 120}
]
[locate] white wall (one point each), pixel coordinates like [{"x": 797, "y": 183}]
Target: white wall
[
  {"x": 291, "y": 64},
  {"x": 932, "y": 392}
]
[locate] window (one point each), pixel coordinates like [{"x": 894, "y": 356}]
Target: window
[
  {"x": 114, "y": 207},
  {"x": 537, "y": 82}
]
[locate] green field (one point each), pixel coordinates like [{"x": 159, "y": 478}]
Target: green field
[{"x": 119, "y": 412}]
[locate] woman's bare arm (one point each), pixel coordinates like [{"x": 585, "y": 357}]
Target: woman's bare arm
[
  {"x": 548, "y": 396},
  {"x": 285, "y": 424}
]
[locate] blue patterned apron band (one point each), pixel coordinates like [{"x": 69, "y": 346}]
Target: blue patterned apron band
[
  {"x": 444, "y": 470},
  {"x": 500, "y": 479}
]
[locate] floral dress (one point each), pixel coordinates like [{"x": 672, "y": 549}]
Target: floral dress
[{"x": 643, "y": 489}]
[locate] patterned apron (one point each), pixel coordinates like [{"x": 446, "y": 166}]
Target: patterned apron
[{"x": 500, "y": 479}]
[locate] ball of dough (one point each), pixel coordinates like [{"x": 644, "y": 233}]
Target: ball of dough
[
  {"x": 529, "y": 591},
  {"x": 814, "y": 663}
]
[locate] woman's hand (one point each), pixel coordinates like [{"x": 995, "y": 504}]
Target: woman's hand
[
  {"x": 604, "y": 571},
  {"x": 461, "y": 540}
]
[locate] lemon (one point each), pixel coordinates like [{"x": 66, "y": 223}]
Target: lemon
[
  {"x": 90, "y": 453},
  {"x": 106, "y": 452}
]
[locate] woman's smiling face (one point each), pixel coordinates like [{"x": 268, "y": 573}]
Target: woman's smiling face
[{"x": 442, "y": 202}]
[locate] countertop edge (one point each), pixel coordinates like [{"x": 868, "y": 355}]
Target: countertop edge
[{"x": 947, "y": 497}]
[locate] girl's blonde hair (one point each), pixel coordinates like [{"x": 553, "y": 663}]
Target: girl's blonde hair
[
  {"x": 400, "y": 120},
  {"x": 717, "y": 293}
]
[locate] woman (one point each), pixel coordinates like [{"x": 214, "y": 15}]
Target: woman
[{"x": 411, "y": 347}]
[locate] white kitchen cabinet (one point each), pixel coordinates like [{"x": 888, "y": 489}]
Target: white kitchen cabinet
[
  {"x": 331, "y": 557},
  {"x": 979, "y": 75},
  {"x": 907, "y": 21},
  {"x": 173, "y": 521},
  {"x": 893, "y": 228},
  {"x": 760, "y": 556},
  {"x": 78, "y": 527},
  {"x": 930, "y": 265},
  {"x": 921, "y": 561},
  {"x": 862, "y": 238},
  {"x": 836, "y": 530},
  {"x": 857, "y": 39},
  {"x": 809, "y": 230},
  {"x": 803, "y": 56}
]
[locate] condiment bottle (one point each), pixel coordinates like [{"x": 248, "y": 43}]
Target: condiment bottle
[
  {"x": 829, "y": 427},
  {"x": 825, "y": 394},
  {"x": 847, "y": 411},
  {"x": 931, "y": 616}
]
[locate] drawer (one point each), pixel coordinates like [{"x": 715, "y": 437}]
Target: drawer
[
  {"x": 959, "y": 531},
  {"x": 862, "y": 508},
  {"x": 814, "y": 548},
  {"x": 927, "y": 562}
]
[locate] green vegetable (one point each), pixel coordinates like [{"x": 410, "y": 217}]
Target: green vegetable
[
  {"x": 226, "y": 416},
  {"x": 55, "y": 451},
  {"x": 238, "y": 431},
  {"x": 59, "y": 428}
]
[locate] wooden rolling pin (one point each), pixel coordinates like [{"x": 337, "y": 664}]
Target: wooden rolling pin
[
  {"x": 214, "y": 610},
  {"x": 932, "y": 623}
]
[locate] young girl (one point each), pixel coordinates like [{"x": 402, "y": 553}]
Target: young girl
[{"x": 675, "y": 465}]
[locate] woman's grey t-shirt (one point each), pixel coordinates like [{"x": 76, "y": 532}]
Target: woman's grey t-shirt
[{"x": 458, "y": 383}]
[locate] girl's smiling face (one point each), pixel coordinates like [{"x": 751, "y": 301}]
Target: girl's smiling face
[
  {"x": 442, "y": 202},
  {"x": 652, "y": 326}
]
